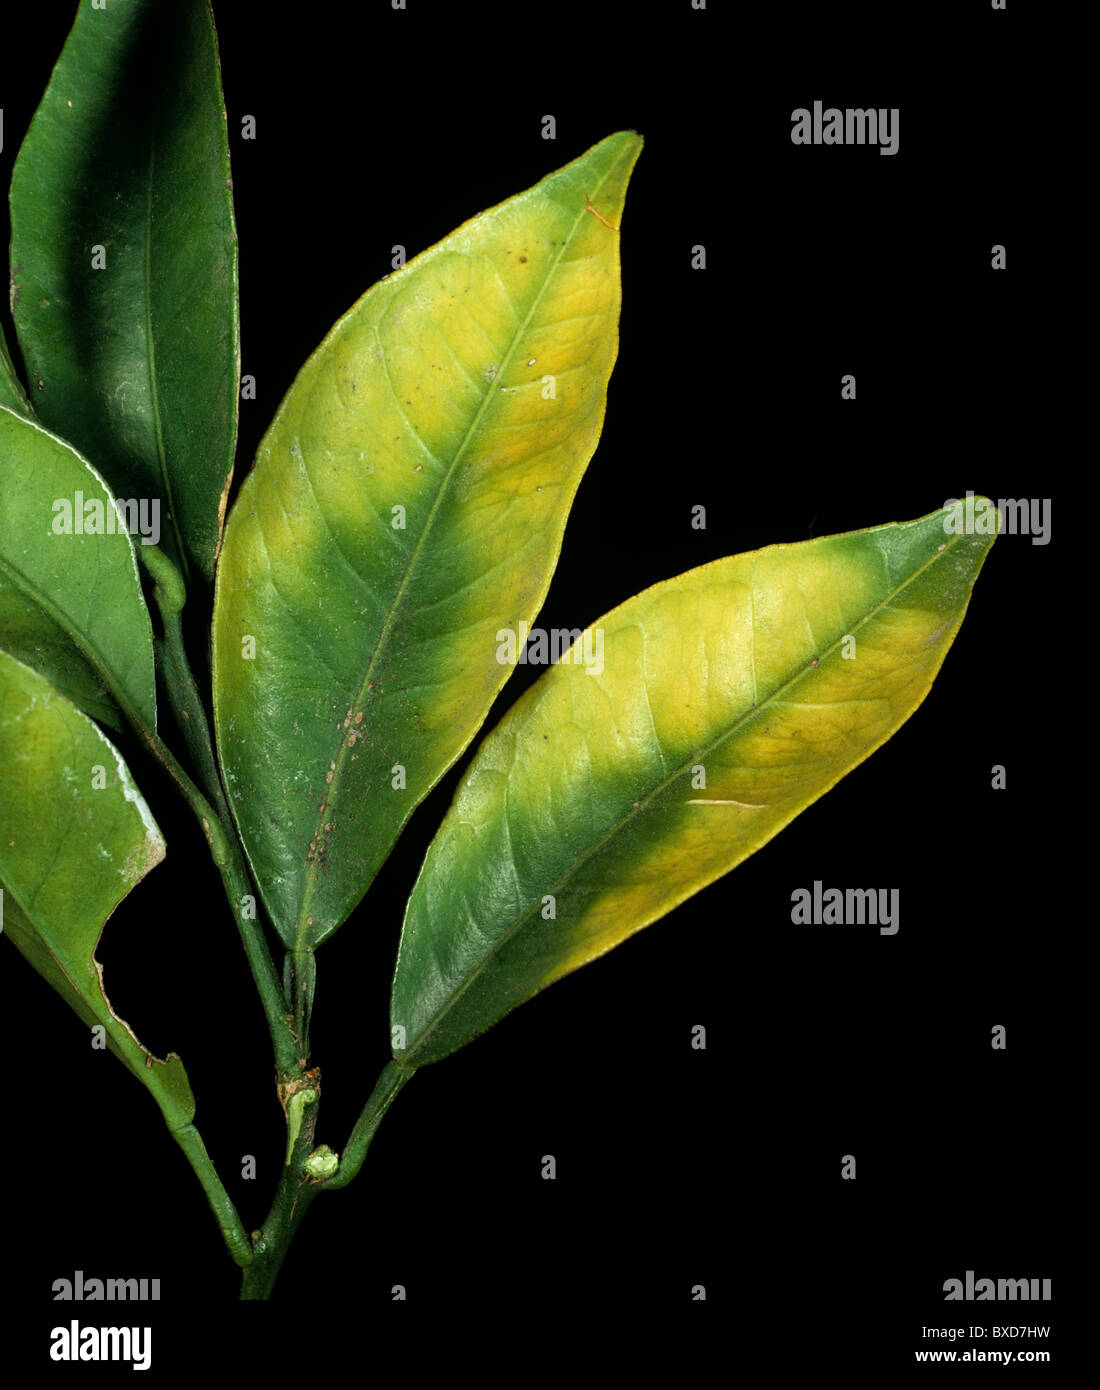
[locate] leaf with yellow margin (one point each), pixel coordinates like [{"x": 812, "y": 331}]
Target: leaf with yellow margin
[
  {"x": 582, "y": 818},
  {"x": 408, "y": 503}
]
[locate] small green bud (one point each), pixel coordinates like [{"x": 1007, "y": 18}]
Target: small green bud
[
  {"x": 170, "y": 593},
  {"x": 322, "y": 1162}
]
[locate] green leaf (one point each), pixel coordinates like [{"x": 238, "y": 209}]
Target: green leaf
[
  {"x": 375, "y": 643},
  {"x": 75, "y": 837},
  {"x": 91, "y": 631},
  {"x": 136, "y": 362},
  {"x": 30, "y": 634},
  {"x": 776, "y": 672},
  {"x": 11, "y": 392}
]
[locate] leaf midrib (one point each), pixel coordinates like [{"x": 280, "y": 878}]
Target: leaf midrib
[
  {"x": 151, "y": 351},
  {"x": 638, "y": 807},
  {"x": 87, "y": 648},
  {"x": 300, "y": 940}
]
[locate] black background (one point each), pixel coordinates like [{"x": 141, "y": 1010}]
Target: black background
[{"x": 676, "y": 1167}]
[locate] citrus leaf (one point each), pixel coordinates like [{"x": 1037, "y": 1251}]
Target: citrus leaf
[
  {"x": 584, "y": 817},
  {"x": 75, "y": 837},
  {"x": 28, "y": 633},
  {"x": 92, "y": 630},
  {"x": 406, "y": 504},
  {"x": 11, "y": 392},
  {"x": 124, "y": 262}
]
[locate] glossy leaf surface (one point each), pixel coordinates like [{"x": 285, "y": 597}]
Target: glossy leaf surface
[
  {"x": 124, "y": 262},
  {"x": 91, "y": 631},
  {"x": 407, "y": 503},
  {"x": 773, "y": 673},
  {"x": 75, "y": 837}
]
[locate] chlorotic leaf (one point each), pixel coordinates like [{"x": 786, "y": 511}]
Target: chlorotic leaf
[
  {"x": 75, "y": 837},
  {"x": 124, "y": 262},
  {"x": 71, "y": 604},
  {"x": 684, "y": 731},
  {"x": 406, "y": 505}
]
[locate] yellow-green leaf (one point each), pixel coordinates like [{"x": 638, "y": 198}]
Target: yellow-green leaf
[
  {"x": 407, "y": 503},
  {"x": 75, "y": 837},
  {"x": 585, "y": 814}
]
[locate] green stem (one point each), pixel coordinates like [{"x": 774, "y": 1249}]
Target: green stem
[
  {"x": 300, "y": 982},
  {"x": 297, "y": 1189},
  {"x": 190, "y": 1141},
  {"x": 183, "y": 692},
  {"x": 217, "y": 826},
  {"x": 260, "y": 1261},
  {"x": 293, "y": 1198},
  {"x": 190, "y": 713},
  {"x": 230, "y": 863},
  {"x": 391, "y": 1081}
]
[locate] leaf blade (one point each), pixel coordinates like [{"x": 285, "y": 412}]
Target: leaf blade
[
  {"x": 137, "y": 362},
  {"x": 70, "y": 603},
  {"x": 28, "y": 633},
  {"x": 69, "y": 854},
  {"x": 11, "y": 391},
  {"x": 424, "y": 397},
  {"x": 583, "y": 793}
]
